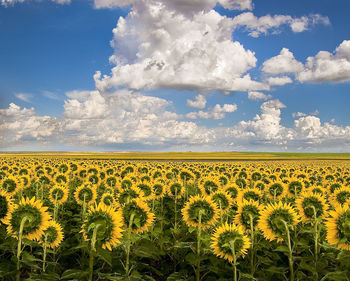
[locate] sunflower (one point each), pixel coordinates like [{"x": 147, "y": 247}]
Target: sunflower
[
  {"x": 223, "y": 200},
  {"x": 247, "y": 211},
  {"x": 58, "y": 194},
  {"x": 85, "y": 193},
  {"x": 52, "y": 236},
  {"x": 108, "y": 225},
  {"x": 35, "y": 215},
  {"x": 232, "y": 191},
  {"x": 128, "y": 194},
  {"x": 107, "y": 199},
  {"x": 6, "y": 206},
  {"x": 340, "y": 196},
  {"x": 309, "y": 203},
  {"x": 158, "y": 189},
  {"x": 254, "y": 194},
  {"x": 10, "y": 185},
  {"x": 276, "y": 190},
  {"x": 146, "y": 190},
  {"x": 209, "y": 185},
  {"x": 141, "y": 215},
  {"x": 175, "y": 189},
  {"x": 295, "y": 186},
  {"x": 200, "y": 207},
  {"x": 338, "y": 227},
  {"x": 273, "y": 219},
  {"x": 226, "y": 235}
]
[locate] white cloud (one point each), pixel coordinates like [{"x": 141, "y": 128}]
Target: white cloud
[
  {"x": 279, "y": 81},
  {"x": 298, "y": 114},
  {"x": 283, "y": 63},
  {"x": 199, "y": 102},
  {"x": 12, "y": 2},
  {"x": 50, "y": 95},
  {"x": 265, "y": 24},
  {"x": 166, "y": 49},
  {"x": 217, "y": 112},
  {"x": 20, "y": 125},
  {"x": 258, "y": 96},
  {"x": 24, "y": 97}
]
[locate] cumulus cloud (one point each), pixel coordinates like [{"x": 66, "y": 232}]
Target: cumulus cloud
[
  {"x": 265, "y": 24},
  {"x": 12, "y": 2},
  {"x": 20, "y": 125},
  {"x": 258, "y": 96},
  {"x": 166, "y": 49},
  {"x": 279, "y": 81},
  {"x": 199, "y": 102},
  {"x": 283, "y": 63},
  {"x": 217, "y": 112}
]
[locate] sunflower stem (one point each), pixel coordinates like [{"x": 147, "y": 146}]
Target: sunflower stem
[
  {"x": 252, "y": 257},
  {"x": 290, "y": 252},
  {"x": 175, "y": 209},
  {"x": 234, "y": 264},
  {"x": 316, "y": 241},
  {"x": 19, "y": 247},
  {"x": 198, "y": 268},
  {"x": 45, "y": 253},
  {"x": 92, "y": 251},
  {"x": 55, "y": 208},
  {"x": 128, "y": 245}
]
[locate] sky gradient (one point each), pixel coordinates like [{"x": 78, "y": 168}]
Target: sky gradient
[{"x": 174, "y": 75}]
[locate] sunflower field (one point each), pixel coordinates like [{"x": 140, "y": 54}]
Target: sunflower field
[{"x": 71, "y": 219}]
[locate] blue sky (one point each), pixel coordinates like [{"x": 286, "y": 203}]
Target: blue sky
[{"x": 163, "y": 75}]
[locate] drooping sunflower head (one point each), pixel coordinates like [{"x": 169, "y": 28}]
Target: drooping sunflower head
[
  {"x": 223, "y": 200},
  {"x": 107, "y": 223},
  {"x": 200, "y": 211},
  {"x": 276, "y": 190},
  {"x": 338, "y": 227},
  {"x": 340, "y": 196},
  {"x": 107, "y": 199},
  {"x": 248, "y": 213},
  {"x": 209, "y": 185},
  {"x": 58, "y": 194},
  {"x": 311, "y": 205},
  {"x": 6, "y": 206},
  {"x": 86, "y": 193},
  {"x": 254, "y": 194},
  {"x": 275, "y": 218},
  {"x": 52, "y": 236},
  {"x": 137, "y": 215},
  {"x": 34, "y": 217},
  {"x": 228, "y": 239}
]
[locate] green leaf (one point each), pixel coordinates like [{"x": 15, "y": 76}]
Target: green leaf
[
  {"x": 104, "y": 255},
  {"x": 75, "y": 274}
]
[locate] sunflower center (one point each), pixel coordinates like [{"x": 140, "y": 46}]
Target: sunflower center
[
  {"x": 108, "y": 200},
  {"x": 9, "y": 185},
  {"x": 51, "y": 235},
  {"x": 33, "y": 222},
  {"x": 175, "y": 189},
  {"x": 127, "y": 195},
  {"x": 85, "y": 194},
  {"x": 251, "y": 195},
  {"x": 105, "y": 229},
  {"x": 232, "y": 191},
  {"x": 249, "y": 212},
  {"x": 139, "y": 218},
  {"x": 146, "y": 189},
  {"x": 295, "y": 187}
]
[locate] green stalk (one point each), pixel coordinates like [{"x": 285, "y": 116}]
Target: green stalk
[
  {"x": 290, "y": 253},
  {"x": 128, "y": 245},
  {"x": 19, "y": 247},
  {"x": 45, "y": 253},
  {"x": 175, "y": 209},
  {"x": 234, "y": 264},
  {"x": 198, "y": 268},
  {"x": 252, "y": 257},
  {"x": 92, "y": 252},
  {"x": 316, "y": 241},
  {"x": 55, "y": 208}
]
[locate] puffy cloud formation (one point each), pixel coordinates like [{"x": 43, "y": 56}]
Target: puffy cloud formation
[
  {"x": 217, "y": 112},
  {"x": 199, "y": 102},
  {"x": 257, "y": 26},
  {"x": 18, "y": 125},
  {"x": 279, "y": 81},
  {"x": 183, "y": 6},
  {"x": 283, "y": 63},
  {"x": 163, "y": 48},
  {"x": 11, "y": 2},
  {"x": 258, "y": 96},
  {"x": 324, "y": 67}
]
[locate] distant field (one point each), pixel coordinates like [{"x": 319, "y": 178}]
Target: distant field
[{"x": 184, "y": 155}]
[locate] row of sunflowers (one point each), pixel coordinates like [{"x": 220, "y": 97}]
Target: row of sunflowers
[{"x": 160, "y": 220}]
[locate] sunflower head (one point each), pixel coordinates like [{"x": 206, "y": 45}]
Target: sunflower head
[
  {"x": 86, "y": 193},
  {"x": 254, "y": 194},
  {"x": 223, "y": 200},
  {"x": 52, "y": 236},
  {"x": 275, "y": 218},
  {"x": 248, "y": 212},
  {"x": 158, "y": 189},
  {"x": 340, "y": 196},
  {"x": 34, "y": 216},
  {"x": 228, "y": 239},
  {"x": 311, "y": 206},
  {"x": 201, "y": 211},
  {"x": 106, "y": 222},
  {"x": 209, "y": 186},
  {"x": 107, "y": 199},
  {"x": 137, "y": 215},
  {"x": 338, "y": 227},
  {"x": 10, "y": 185},
  {"x": 276, "y": 190},
  {"x": 6, "y": 206},
  {"x": 175, "y": 189},
  {"x": 58, "y": 194}
]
